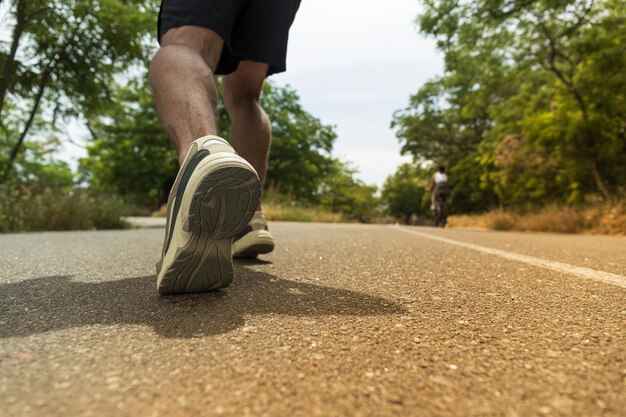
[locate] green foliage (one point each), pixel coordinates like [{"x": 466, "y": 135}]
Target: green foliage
[
  {"x": 530, "y": 109},
  {"x": 300, "y": 158},
  {"x": 85, "y": 60},
  {"x": 62, "y": 57},
  {"x": 130, "y": 154},
  {"x": 405, "y": 193},
  {"x": 341, "y": 193},
  {"x": 472, "y": 188},
  {"x": 37, "y": 165}
]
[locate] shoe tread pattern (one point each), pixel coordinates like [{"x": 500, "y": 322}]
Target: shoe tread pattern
[{"x": 221, "y": 207}]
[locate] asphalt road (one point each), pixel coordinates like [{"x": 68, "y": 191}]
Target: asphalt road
[{"x": 342, "y": 320}]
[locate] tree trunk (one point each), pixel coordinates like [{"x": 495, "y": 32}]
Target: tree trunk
[
  {"x": 43, "y": 83},
  {"x": 604, "y": 190},
  {"x": 568, "y": 81},
  {"x": 8, "y": 72},
  {"x": 492, "y": 202},
  {"x": 33, "y": 112}
]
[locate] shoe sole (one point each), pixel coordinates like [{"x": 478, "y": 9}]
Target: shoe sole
[
  {"x": 255, "y": 243},
  {"x": 221, "y": 207}
]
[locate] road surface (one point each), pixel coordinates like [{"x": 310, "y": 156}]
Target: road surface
[{"x": 341, "y": 320}]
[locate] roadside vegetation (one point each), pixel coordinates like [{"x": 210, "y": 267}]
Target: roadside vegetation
[
  {"x": 43, "y": 195},
  {"x": 80, "y": 62},
  {"x": 30, "y": 208},
  {"x": 528, "y": 117},
  {"x": 609, "y": 219}
]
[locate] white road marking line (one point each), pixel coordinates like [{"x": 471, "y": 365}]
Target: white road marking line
[{"x": 580, "y": 271}]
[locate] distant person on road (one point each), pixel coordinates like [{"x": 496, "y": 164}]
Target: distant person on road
[
  {"x": 216, "y": 196},
  {"x": 439, "y": 186}
]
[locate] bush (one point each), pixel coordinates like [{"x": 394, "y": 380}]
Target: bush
[
  {"x": 553, "y": 219},
  {"x": 609, "y": 218},
  {"x": 25, "y": 208},
  {"x": 501, "y": 220}
]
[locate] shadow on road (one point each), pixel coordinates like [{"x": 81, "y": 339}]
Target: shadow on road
[{"x": 56, "y": 302}]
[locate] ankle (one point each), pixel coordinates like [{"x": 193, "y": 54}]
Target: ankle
[{"x": 182, "y": 153}]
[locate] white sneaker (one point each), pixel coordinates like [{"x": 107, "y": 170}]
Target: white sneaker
[
  {"x": 255, "y": 239},
  {"x": 213, "y": 198}
]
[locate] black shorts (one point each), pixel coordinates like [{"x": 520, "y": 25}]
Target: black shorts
[{"x": 252, "y": 30}]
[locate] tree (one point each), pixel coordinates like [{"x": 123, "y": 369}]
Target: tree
[
  {"x": 528, "y": 110},
  {"x": 341, "y": 192},
  {"x": 301, "y": 145},
  {"x": 405, "y": 192},
  {"x": 131, "y": 155},
  {"x": 37, "y": 166},
  {"x": 62, "y": 57}
]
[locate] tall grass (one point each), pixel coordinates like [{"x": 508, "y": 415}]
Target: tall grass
[
  {"x": 26, "y": 208},
  {"x": 602, "y": 219},
  {"x": 296, "y": 213},
  {"x": 282, "y": 207}
]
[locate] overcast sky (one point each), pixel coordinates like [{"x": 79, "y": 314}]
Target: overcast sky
[{"x": 353, "y": 63}]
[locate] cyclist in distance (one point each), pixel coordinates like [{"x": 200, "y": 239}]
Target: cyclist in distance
[{"x": 439, "y": 186}]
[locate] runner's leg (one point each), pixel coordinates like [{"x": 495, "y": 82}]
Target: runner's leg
[
  {"x": 250, "y": 129},
  {"x": 181, "y": 77}
]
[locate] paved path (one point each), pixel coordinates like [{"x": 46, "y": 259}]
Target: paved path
[{"x": 342, "y": 320}]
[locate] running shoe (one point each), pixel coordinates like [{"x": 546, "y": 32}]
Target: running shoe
[
  {"x": 213, "y": 199},
  {"x": 255, "y": 239}
]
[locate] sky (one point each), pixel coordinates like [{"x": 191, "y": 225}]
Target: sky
[{"x": 353, "y": 63}]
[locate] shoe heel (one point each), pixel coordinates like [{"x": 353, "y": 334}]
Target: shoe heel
[
  {"x": 221, "y": 207},
  {"x": 209, "y": 268},
  {"x": 225, "y": 201}
]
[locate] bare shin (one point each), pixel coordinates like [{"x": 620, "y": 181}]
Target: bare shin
[
  {"x": 250, "y": 128},
  {"x": 181, "y": 77}
]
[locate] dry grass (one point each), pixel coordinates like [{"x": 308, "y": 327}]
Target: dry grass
[
  {"x": 275, "y": 210},
  {"x": 469, "y": 221},
  {"x": 161, "y": 212},
  {"x": 611, "y": 220},
  {"x": 604, "y": 219},
  {"x": 295, "y": 213},
  {"x": 553, "y": 219},
  {"x": 30, "y": 208}
]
